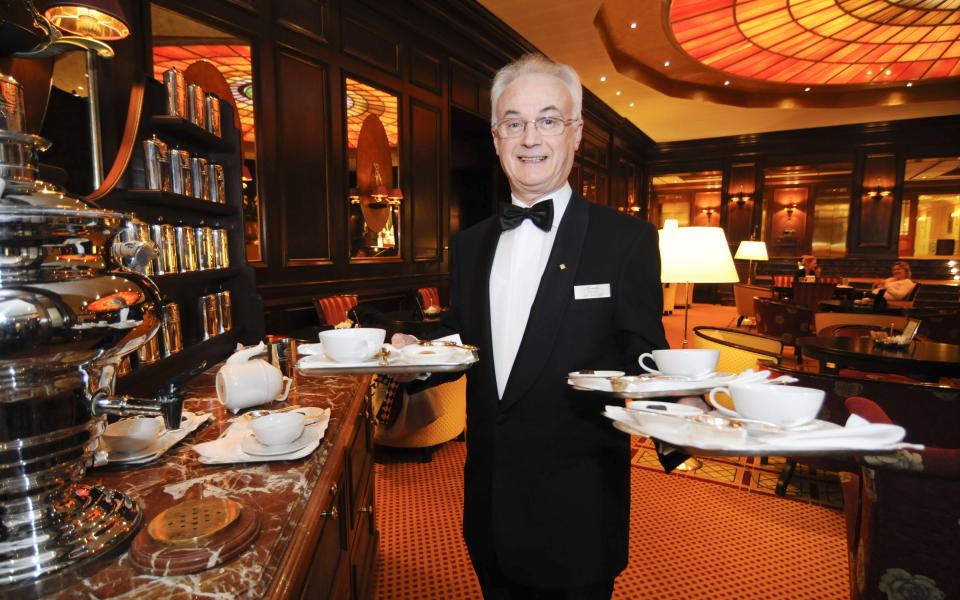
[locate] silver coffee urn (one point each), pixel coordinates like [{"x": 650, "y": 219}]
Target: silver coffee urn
[{"x": 72, "y": 307}]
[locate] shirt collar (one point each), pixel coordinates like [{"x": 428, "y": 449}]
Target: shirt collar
[{"x": 560, "y": 197}]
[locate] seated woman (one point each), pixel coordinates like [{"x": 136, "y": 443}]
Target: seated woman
[
  {"x": 808, "y": 267},
  {"x": 899, "y": 285}
]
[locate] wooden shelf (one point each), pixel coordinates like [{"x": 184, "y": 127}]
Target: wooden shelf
[
  {"x": 171, "y": 200},
  {"x": 146, "y": 380},
  {"x": 196, "y": 277},
  {"x": 187, "y": 131}
]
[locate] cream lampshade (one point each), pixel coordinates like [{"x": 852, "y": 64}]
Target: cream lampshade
[
  {"x": 751, "y": 250},
  {"x": 695, "y": 255}
]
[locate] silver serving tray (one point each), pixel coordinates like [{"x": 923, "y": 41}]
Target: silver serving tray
[{"x": 398, "y": 367}]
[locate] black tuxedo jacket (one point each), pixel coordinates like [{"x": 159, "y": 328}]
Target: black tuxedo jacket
[{"x": 547, "y": 480}]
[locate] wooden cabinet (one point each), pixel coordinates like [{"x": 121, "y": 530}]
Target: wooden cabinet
[{"x": 124, "y": 190}]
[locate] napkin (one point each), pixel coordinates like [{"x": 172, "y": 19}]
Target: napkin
[
  {"x": 191, "y": 422},
  {"x": 227, "y": 448},
  {"x": 856, "y": 434}
]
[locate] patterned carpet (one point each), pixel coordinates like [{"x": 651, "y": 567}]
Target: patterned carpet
[{"x": 689, "y": 539}]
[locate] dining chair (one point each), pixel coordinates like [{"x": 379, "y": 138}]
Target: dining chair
[
  {"x": 404, "y": 423},
  {"x": 743, "y": 295},
  {"x": 810, "y": 294},
  {"x": 739, "y": 350},
  {"x": 783, "y": 320},
  {"x": 427, "y": 297},
  {"x": 901, "y": 516},
  {"x": 334, "y": 309}
]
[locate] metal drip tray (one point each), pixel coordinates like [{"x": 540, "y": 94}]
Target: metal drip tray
[{"x": 194, "y": 521}]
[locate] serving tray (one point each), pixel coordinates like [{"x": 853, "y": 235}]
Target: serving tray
[{"x": 388, "y": 365}]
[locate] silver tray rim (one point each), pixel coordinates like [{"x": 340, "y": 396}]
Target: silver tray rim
[{"x": 392, "y": 369}]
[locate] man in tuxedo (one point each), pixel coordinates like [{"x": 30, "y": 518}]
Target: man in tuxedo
[{"x": 554, "y": 284}]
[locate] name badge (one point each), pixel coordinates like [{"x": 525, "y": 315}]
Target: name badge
[{"x": 587, "y": 292}]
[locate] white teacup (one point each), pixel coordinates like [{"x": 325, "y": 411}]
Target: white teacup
[
  {"x": 681, "y": 363},
  {"x": 784, "y": 405},
  {"x": 251, "y": 383},
  {"x": 277, "y": 429},
  {"x": 132, "y": 435},
  {"x": 352, "y": 345}
]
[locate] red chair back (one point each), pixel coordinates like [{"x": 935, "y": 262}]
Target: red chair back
[
  {"x": 429, "y": 296},
  {"x": 783, "y": 281},
  {"x": 334, "y": 309},
  {"x": 782, "y": 320}
]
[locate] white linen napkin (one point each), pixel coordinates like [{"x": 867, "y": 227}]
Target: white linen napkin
[
  {"x": 857, "y": 433},
  {"x": 227, "y": 448}
]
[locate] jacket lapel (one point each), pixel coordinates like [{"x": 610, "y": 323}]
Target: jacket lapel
[
  {"x": 550, "y": 303},
  {"x": 480, "y": 287}
]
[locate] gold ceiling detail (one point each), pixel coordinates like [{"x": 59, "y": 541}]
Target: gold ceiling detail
[{"x": 788, "y": 53}]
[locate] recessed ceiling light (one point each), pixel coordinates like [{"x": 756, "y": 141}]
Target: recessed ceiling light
[
  {"x": 618, "y": 92},
  {"x": 889, "y": 71},
  {"x": 727, "y": 82},
  {"x": 633, "y": 25},
  {"x": 603, "y": 78},
  {"x": 666, "y": 63},
  {"x": 909, "y": 84},
  {"x": 806, "y": 89},
  {"x": 870, "y": 72},
  {"x": 631, "y": 104}
]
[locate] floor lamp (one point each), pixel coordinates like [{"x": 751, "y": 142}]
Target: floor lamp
[
  {"x": 751, "y": 250},
  {"x": 695, "y": 255}
]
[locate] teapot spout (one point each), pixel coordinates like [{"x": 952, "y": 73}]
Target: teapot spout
[{"x": 241, "y": 356}]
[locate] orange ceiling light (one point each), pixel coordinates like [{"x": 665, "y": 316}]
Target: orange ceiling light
[
  {"x": 363, "y": 100},
  {"x": 233, "y": 60},
  {"x": 822, "y": 42}
]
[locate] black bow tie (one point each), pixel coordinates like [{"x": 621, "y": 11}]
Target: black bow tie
[{"x": 540, "y": 214}]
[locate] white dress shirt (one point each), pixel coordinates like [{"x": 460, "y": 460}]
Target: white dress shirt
[{"x": 518, "y": 265}]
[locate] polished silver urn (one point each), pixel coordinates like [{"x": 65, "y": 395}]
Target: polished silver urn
[{"x": 72, "y": 305}]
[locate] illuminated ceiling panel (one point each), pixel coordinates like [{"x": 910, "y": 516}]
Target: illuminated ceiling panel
[
  {"x": 363, "y": 100},
  {"x": 822, "y": 42},
  {"x": 232, "y": 60}
]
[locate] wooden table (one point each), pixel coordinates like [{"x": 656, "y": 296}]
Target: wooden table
[
  {"x": 318, "y": 537},
  {"x": 928, "y": 360},
  {"x": 850, "y": 307}
]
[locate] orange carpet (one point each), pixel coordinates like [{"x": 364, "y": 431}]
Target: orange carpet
[{"x": 689, "y": 539}]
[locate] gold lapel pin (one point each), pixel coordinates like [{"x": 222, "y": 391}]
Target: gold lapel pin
[{"x": 562, "y": 266}]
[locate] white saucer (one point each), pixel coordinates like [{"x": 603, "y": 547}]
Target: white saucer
[
  {"x": 669, "y": 408},
  {"x": 251, "y": 445},
  {"x": 144, "y": 452}
]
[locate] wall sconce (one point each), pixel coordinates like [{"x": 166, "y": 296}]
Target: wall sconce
[
  {"x": 396, "y": 195},
  {"x": 878, "y": 193},
  {"x": 790, "y": 209},
  {"x": 353, "y": 194},
  {"x": 709, "y": 212},
  {"x": 740, "y": 197}
]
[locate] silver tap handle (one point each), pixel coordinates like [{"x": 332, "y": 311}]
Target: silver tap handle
[{"x": 135, "y": 255}]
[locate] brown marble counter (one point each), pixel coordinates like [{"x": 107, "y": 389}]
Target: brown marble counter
[{"x": 290, "y": 495}]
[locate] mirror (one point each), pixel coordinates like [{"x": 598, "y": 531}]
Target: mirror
[
  {"x": 374, "y": 196},
  {"x": 189, "y": 45}
]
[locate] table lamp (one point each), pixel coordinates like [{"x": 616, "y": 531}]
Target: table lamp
[
  {"x": 751, "y": 250},
  {"x": 695, "y": 255}
]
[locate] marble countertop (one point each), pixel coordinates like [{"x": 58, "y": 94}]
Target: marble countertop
[{"x": 279, "y": 490}]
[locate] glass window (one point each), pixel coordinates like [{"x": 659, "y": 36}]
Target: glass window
[
  {"x": 692, "y": 198},
  {"x": 934, "y": 185}
]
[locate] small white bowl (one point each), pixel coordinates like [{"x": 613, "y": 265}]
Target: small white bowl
[
  {"x": 132, "y": 435},
  {"x": 427, "y": 354},
  {"x": 277, "y": 429}
]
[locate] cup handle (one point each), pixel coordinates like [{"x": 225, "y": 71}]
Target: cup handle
[
  {"x": 287, "y": 381},
  {"x": 644, "y": 366},
  {"x": 721, "y": 408}
]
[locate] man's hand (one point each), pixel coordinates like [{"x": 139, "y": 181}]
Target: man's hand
[{"x": 399, "y": 340}]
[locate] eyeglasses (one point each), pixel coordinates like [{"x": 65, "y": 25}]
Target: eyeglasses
[{"x": 511, "y": 128}]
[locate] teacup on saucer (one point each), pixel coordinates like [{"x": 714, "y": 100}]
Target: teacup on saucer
[
  {"x": 277, "y": 429},
  {"x": 132, "y": 435}
]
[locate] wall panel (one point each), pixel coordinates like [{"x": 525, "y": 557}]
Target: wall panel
[{"x": 426, "y": 181}]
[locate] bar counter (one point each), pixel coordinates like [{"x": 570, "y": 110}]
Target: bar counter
[{"x": 317, "y": 536}]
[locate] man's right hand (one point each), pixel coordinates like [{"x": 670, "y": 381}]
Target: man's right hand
[{"x": 399, "y": 340}]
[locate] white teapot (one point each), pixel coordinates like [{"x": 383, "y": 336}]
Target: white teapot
[{"x": 242, "y": 382}]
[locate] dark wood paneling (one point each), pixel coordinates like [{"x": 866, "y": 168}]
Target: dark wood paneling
[
  {"x": 302, "y": 100},
  {"x": 467, "y": 88},
  {"x": 426, "y": 181},
  {"x": 306, "y": 17},
  {"x": 876, "y": 213},
  {"x": 378, "y": 48},
  {"x": 425, "y": 71}
]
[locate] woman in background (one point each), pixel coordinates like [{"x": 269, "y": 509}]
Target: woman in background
[{"x": 899, "y": 285}]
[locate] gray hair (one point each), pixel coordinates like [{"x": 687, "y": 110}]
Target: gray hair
[{"x": 536, "y": 64}]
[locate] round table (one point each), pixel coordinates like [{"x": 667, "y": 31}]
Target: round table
[
  {"x": 928, "y": 360},
  {"x": 850, "y": 307}
]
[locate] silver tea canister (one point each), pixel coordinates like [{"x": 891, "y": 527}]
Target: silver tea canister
[
  {"x": 186, "y": 248},
  {"x": 11, "y": 104},
  {"x": 209, "y": 316},
  {"x": 217, "y": 184},
  {"x": 164, "y": 236},
  {"x": 196, "y": 105},
  {"x": 176, "y": 88},
  {"x": 170, "y": 329},
  {"x": 200, "y": 181},
  {"x": 225, "y": 311},
  {"x": 180, "y": 177},
  {"x": 221, "y": 249},
  {"x": 156, "y": 164},
  {"x": 149, "y": 352},
  {"x": 213, "y": 114},
  {"x": 137, "y": 231},
  {"x": 205, "y": 248}
]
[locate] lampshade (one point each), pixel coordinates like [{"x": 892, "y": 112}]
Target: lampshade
[
  {"x": 95, "y": 19},
  {"x": 696, "y": 255},
  {"x": 671, "y": 224},
  {"x": 752, "y": 250}
]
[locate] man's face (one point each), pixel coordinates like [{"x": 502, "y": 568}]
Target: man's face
[{"x": 536, "y": 164}]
